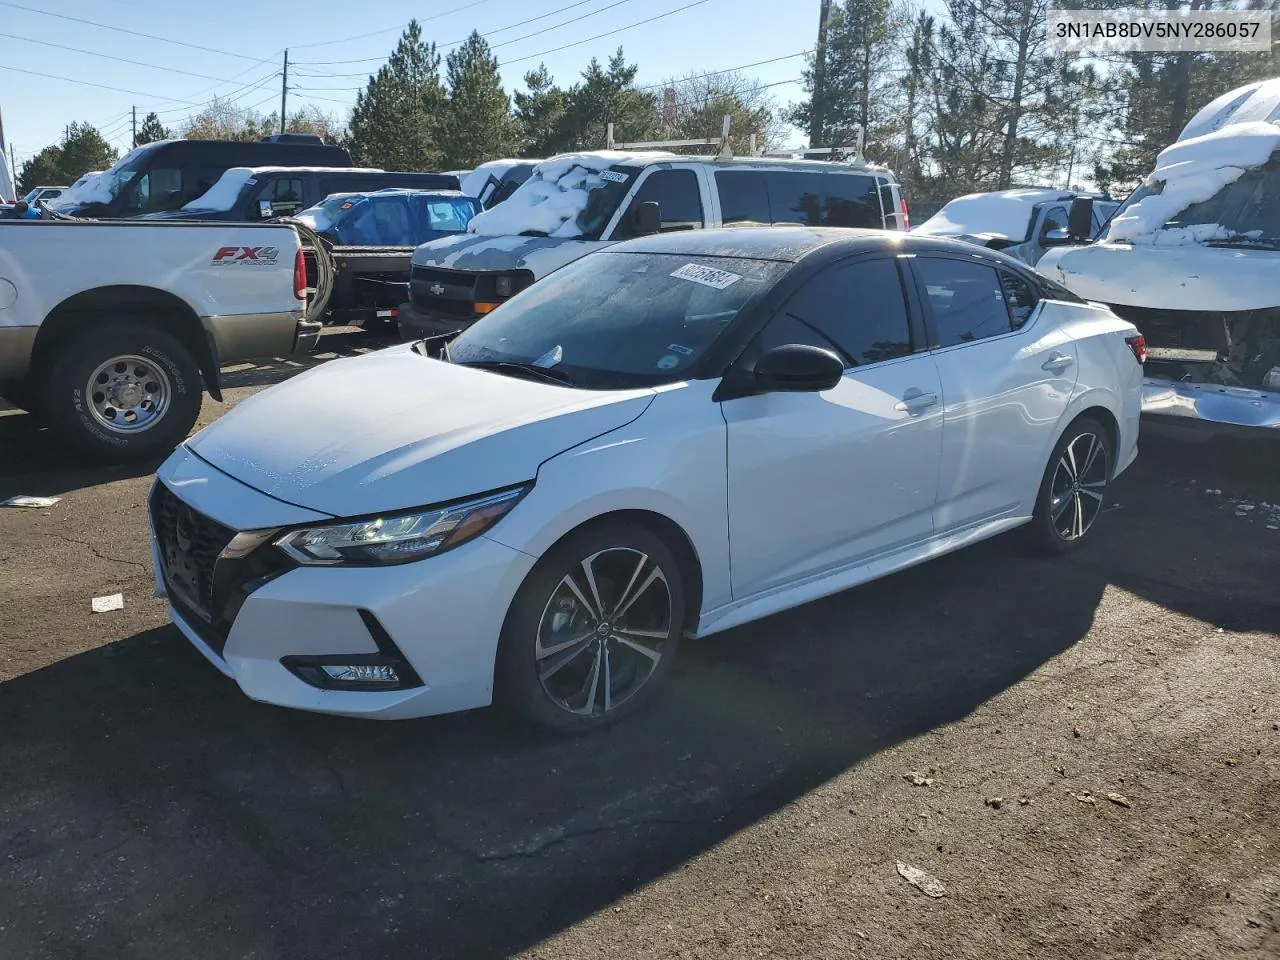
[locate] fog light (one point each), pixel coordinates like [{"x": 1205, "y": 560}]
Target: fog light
[{"x": 361, "y": 673}]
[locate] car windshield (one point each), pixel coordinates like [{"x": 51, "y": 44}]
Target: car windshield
[
  {"x": 618, "y": 320},
  {"x": 102, "y": 188},
  {"x": 573, "y": 197}
]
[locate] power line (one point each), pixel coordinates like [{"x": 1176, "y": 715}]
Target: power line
[
  {"x": 453, "y": 43},
  {"x": 376, "y": 33},
  {"x": 107, "y": 56},
  {"x": 86, "y": 83},
  {"x": 716, "y": 73},
  {"x": 132, "y": 33},
  {"x": 609, "y": 33},
  {"x": 507, "y": 43}
]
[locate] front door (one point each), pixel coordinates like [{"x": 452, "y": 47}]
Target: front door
[{"x": 819, "y": 480}]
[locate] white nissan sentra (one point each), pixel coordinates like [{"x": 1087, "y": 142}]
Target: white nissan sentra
[{"x": 676, "y": 436}]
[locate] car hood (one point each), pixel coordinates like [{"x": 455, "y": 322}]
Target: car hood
[
  {"x": 394, "y": 429},
  {"x": 478, "y": 253}
]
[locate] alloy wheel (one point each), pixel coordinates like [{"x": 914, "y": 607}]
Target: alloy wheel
[{"x": 1078, "y": 487}]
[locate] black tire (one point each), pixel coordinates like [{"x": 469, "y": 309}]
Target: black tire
[
  {"x": 67, "y": 402},
  {"x": 1054, "y": 527},
  {"x": 618, "y": 548}
]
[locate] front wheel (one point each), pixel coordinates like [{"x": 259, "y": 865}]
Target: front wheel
[
  {"x": 1074, "y": 488},
  {"x": 123, "y": 392},
  {"x": 592, "y": 630}
]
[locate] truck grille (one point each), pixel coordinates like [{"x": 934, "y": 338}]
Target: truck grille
[{"x": 450, "y": 292}]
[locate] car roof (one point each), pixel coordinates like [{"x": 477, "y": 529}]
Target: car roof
[
  {"x": 794, "y": 243},
  {"x": 777, "y": 163}
]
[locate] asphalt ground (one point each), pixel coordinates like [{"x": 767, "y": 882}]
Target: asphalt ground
[{"x": 969, "y": 718}]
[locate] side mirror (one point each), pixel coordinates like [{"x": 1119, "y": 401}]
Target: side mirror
[
  {"x": 797, "y": 368},
  {"x": 1056, "y": 238},
  {"x": 646, "y": 219},
  {"x": 265, "y": 210},
  {"x": 1080, "y": 219}
]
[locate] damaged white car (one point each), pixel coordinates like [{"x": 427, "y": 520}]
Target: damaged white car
[{"x": 1193, "y": 259}]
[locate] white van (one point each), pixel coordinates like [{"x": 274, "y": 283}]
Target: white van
[
  {"x": 1192, "y": 258},
  {"x": 576, "y": 203}
]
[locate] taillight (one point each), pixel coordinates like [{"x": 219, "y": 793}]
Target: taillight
[
  {"x": 300, "y": 275},
  {"x": 1138, "y": 345},
  {"x": 906, "y": 217}
]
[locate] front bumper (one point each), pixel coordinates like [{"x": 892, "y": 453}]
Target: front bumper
[
  {"x": 416, "y": 324},
  {"x": 443, "y": 615},
  {"x": 1210, "y": 408}
]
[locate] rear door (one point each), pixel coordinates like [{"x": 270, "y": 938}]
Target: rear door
[{"x": 1007, "y": 377}]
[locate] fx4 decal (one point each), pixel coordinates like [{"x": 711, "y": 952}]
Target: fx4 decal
[{"x": 252, "y": 255}]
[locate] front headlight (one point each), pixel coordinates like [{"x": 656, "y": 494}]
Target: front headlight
[{"x": 399, "y": 538}]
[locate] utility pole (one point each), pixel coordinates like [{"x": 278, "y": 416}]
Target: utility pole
[
  {"x": 818, "y": 102},
  {"x": 284, "y": 90},
  {"x": 135, "y": 124}
]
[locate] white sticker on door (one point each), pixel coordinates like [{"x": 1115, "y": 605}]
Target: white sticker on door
[{"x": 707, "y": 276}]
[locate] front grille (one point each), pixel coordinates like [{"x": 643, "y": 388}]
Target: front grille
[
  {"x": 189, "y": 546},
  {"x": 450, "y": 292},
  {"x": 204, "y": 587}
]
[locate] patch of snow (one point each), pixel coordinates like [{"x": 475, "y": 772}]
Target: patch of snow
[
  {"x": 555, "y": 195},
  {"x": 538, "y": 255},
  {"x": 475, "y": 180},
  {"x": 1004, "y": 214},
  {"x": 222, "y": 196},
  {"x": 1193, "y": 171},
  {"x": 1256, "y": 101},
  {"x": 1167, "y": 277}
]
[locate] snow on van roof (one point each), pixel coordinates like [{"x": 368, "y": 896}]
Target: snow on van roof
[
  {"x": 223, "y": 194},
  {"x": 1256, "y": 101},
  {"x": 1193, "y": 171},
  {"x": 1005, "y": 214},
  {"x": 555, "y": 194}
]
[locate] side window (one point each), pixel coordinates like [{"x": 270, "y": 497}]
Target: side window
[
  {"x": 743, "y": 198},
  {"x": 678, "y": 198},
  {"x": 859, "y": 307},
  {"x": 965, "y": 298},
  {"x": 1055, "y": 219},
  {"x": 823, "y": 199},
  {"x": 1020, "y": 297}
]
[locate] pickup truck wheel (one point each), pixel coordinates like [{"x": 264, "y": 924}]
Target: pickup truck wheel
[{"x": 123, "y": 392}]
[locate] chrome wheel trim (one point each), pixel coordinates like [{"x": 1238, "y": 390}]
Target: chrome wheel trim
[
  {"x": 1078, "y": 486},
  {"x": 603, "y": 631},
  {"x": 128, "y": 394}
]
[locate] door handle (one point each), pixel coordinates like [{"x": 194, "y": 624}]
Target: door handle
[
  {"x": 1057, "y": 362},
  {"x": 914, "y": 401}
]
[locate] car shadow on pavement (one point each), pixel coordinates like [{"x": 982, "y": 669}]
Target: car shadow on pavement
[
  {"x": 146, "y": 792},
  {"x": 148, "y": 808}
]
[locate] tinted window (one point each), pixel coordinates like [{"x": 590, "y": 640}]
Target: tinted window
[
  {"x": 1055, "y": 219},
  {"x": 676, "y": 194},
  {"x": 743, "y": 197},
  {"x": 1020, "y": 297},
  {"x": 156, "y": 190},
  {"x": 859, "y": 307},
  {"x": 1249, "y": 205},
  {"x": 965, "y": 298},
  {"x": 285, "y": 194},
  {"x": 823, "y": 199}
]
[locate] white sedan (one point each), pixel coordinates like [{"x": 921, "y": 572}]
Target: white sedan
[{"x": 667, "y": 439}]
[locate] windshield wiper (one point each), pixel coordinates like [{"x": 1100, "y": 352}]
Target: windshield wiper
[
  {"x": 519, "y": 368},
  {"x": 1255, "y": 243}
]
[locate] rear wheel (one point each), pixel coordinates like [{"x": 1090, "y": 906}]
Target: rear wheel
[
  {"x": 1074, "y": 488},
  {"x": 123, "y": 392},
  {"x": 592, "y": 630}
]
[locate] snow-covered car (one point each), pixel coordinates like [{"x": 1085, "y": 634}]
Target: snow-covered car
[
  {"x": 1193, "y": 258},
  {"x": 575, "y": 204},
  {"x": 496, "y": 180},
  {"x": 1020, "y": 223},
  {"x": 678, "y": 435},
  {"x": 37, "y": 194}
]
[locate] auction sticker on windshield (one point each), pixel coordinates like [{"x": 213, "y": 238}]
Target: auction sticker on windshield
[
  {"x": 613, "y": 176},
  {"x": 707, "y": 276}
]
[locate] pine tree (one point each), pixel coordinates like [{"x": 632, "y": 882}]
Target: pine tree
[
  {"x": 82, "y": 149},
  {"x": 605, "y": 95},
  {"x": 477, "y": 124},
  {"x": 151, "y": 130},
  {"x": 397, "y": 117},
  {"x": 539, "y": 113},
  {"x": 44, "y": 169}
]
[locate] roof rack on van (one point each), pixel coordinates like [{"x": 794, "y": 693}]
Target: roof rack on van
[{"x": 724, "y": 142}]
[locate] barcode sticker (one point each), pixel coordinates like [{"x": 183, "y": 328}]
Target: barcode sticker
[
  {"x": 708, "y": 276},
  {"x": 613, "y": 176}
]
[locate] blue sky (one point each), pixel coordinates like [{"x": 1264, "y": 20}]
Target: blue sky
[{"x": 709, "y": 35}]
